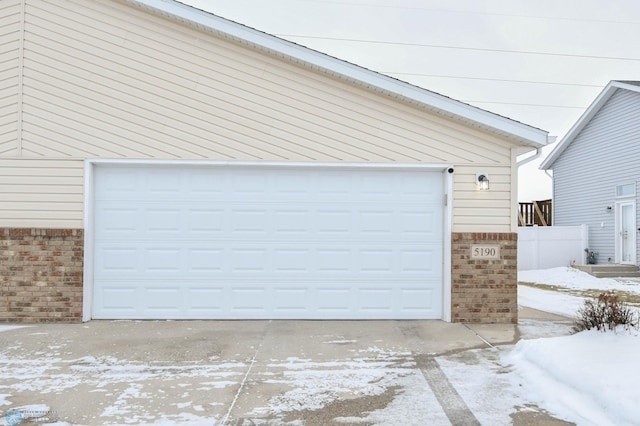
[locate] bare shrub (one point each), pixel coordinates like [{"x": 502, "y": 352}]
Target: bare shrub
[{"x": 603, "y": 313}]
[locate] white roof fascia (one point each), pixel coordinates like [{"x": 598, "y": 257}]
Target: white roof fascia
[
  {"x": 503, "y": 126},
  {"x": 584, "y": 119}
]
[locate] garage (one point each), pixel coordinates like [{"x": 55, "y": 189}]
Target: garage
[
  {"x": 297, "y": 241},
  {"x": 241, "y": 176}
]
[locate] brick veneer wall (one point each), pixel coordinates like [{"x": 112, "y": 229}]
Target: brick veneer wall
[
  {"x": 484, "y": 291},
  {"x": 41, "y": 275}
]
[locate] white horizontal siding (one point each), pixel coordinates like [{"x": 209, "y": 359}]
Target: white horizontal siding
[
  {"x": 41, "y": 193},
  {"x": 492, "y": 209},
  {"x": 106, "y": 80},
  {"x": 603, "y": 155},
  {"x": 140, "y": 86},
  {"x": 9, "y": 63}
]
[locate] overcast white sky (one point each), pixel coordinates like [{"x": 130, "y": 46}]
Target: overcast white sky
[{"x": 541, "y": 62}]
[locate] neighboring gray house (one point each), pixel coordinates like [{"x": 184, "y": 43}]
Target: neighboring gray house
[{"x": 596, "y": 169}]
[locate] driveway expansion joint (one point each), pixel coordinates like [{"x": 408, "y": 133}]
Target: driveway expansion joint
[
  {"x": 452, "y": 404},
  {"x": 485, "y": 341},
  {"x": 225, "y": 420}
]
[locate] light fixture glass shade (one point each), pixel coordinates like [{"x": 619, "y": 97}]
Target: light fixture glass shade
[{"x": 483, "y": 182}]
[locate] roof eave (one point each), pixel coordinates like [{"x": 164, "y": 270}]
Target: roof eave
[
  {"x": 502, "y": 126},
  {"x": 584, "y": 119}
]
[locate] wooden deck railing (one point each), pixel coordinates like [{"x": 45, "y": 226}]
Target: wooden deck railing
[{"x": 535, "y": 213}]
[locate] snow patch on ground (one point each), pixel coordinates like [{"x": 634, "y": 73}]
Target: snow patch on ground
[
  {"x": 415, "y": 404},
  {"x": 125, "y": 384},
  {"x": 549, "y": 301},
  {"x": 589, "y": 377},
  {"x": 313, "y": 385},
  {"x": 571, "y": 278}
]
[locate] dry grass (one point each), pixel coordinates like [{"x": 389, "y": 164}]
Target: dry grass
[{"x": 632, "y": 299}]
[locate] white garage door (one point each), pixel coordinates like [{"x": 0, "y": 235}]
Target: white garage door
[{"x": 239, "y": 242}]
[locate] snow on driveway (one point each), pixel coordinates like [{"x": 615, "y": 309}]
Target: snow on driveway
[
  {"x": 122, "y": 388},
  {"x": 42, "y": 366}
]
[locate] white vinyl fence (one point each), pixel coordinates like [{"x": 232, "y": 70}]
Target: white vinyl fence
[{"x": 543, "y": 247}]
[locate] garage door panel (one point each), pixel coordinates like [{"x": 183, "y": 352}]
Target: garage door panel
[
  {"x": 376, "y": 187},
  {"x": 163, "y": 182},
  {"x": 117, "y": 301},
  {"x": 420, "y": 224},
  {"x": 334, "y": 300},
  {"x": 376, "y": 222},
  {"x": 200, "y": 184},
  {"x": 377, "y": 261},
  {"x": 205, "y": 260},
  {"x": 162, "y": 220},
  {"x": 337, "y": 185},
  {"x": 291, "y": 186},
  {"x": 206, "y": 221},
  {"x": 117, "y": 183},
  {"x": 334, "y": 221},
  {"x": 412, "y": 189},
  {"x": 267, "y": 243},
  {"x": 427, "y": 263},
  {"x": 292, "y": 260},
  {"x": 292, "y": 299},
  {"x": 163, "y": 299},
  {"x": 248, "y": 260},
  {"x": 333, "y": 260},
  {"x": 249, "y": 300},
  {"x": 249, "y": 222},
  {"x": 288, "y": 222},
  {"x": 253, "y": 183},
  {"x": 375, "y": 300},
  {"x": 164, "y": 260},
  {"x": 117, "y": 219},
  {"x": 419, "y": 300},
  {"x": 113, "y": 259},
  {"x": 206, "y": 300}
]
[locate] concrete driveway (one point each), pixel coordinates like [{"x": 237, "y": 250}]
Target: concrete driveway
[{"x": 236, "y": 372}]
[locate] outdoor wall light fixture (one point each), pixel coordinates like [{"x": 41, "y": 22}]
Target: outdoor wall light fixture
[
  {"x": 609, "y": 209},
  {"x": 482, "y": 181}
]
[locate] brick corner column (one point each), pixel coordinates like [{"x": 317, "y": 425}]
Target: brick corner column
[{"x": 484, "y": 290}]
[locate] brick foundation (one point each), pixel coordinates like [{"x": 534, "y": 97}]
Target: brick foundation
[
  {"x": 484, "y": 291},
  {"x": 41, "y": 275}
]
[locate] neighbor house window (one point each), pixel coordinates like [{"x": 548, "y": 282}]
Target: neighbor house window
[{"x": 626, "y": 190}]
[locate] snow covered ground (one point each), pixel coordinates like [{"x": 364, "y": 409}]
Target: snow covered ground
[
  {"x": 590, "y": 378},
  {"x": 570, "y": 283}
]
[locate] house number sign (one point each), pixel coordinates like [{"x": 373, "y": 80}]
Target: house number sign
[{"x": 485, "y": 251}]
